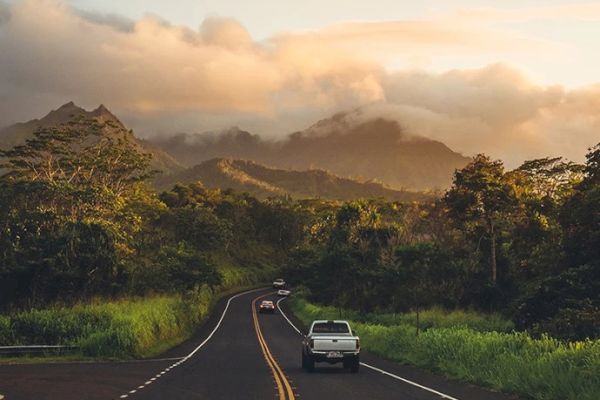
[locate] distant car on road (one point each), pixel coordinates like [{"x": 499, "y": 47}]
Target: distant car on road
[
  {"x": 278, "y": 283},
  {"x": 331, "y": 342},
  {"x": 266, "y": 306},
  {"x": 284, "y": 292}
]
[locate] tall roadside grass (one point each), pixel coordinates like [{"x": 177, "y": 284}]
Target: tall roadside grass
[
  {"x": 125, "y": 328},
  {"x": 543, "y": 369},
  {"x": 435, "y": 317}
]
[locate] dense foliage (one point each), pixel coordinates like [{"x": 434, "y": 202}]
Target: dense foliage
[
  {"x": 523, "y": 242},
  {"x": 78, "y": 221}
]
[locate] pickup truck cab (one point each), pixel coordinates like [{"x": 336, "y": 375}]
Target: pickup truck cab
[{"x": 331, "y": 342}]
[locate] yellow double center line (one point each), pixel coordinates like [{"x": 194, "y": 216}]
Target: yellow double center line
[{"x": 283, "y": 385}]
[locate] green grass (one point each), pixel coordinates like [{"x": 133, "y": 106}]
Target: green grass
[
  {"x": 435, "y": 317},
  {"x": 544, "y": 369},
  {"x": 122, "y": 329},
  {"x": 125, "y": 328}
]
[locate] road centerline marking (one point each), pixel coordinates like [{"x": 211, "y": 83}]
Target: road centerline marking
[{"x": 284, "y": 388}]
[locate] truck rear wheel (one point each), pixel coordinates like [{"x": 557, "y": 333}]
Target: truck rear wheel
[
  {"x": 355, "y": 364},
  {"x": 308, "y": 363}
]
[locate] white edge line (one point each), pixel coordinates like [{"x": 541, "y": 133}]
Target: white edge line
[
  {"x": 185, "y": 358},
  {"x": 286, "y": 317},
  {"x": 219, "y": 323},
  {"x": 442, "y": 395},
  {"x": 147, "y": 360}
]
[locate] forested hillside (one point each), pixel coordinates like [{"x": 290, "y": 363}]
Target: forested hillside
[
  {"x": 523, "y": 242},
  {"x": 79, "y": 221},
  {"x": 263, "y": 182},
  {"x": 17, "y": 134}
]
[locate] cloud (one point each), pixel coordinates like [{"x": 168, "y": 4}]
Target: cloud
[
  {"x": 577, "y": 11},
  {"x": 495, "y": 110},
  {"x": 4, "y": 12},
  {"x": 166, "y": 78},
  {"x": 112, "y": 20}
]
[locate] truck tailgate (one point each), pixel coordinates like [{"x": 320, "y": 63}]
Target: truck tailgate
[{"x": 334, "y": 343}]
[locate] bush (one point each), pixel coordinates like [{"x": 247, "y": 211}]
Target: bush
[{"x": 6, "y": 332}]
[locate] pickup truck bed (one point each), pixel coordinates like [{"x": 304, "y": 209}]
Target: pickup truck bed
[{"x": 331, "y": 342}]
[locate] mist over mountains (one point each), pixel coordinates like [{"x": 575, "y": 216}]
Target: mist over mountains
[
  {"x": 342, "y": 157},
  {"x": 345, "y": 144}
]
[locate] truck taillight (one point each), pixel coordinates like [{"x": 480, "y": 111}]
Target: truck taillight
[
  {"x": 357, "y": 344},
  {"x": 312, "y": 343}
]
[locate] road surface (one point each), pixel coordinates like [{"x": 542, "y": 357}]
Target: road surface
[{"x": 237, "y": 354}]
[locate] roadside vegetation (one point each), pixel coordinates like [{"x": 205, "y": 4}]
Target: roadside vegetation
[
  {"x": 435, "y": 317},
  {"x": 91, "y": 255},
  {"x": 131, "y": 327},
  {"x": 470, "y": 348},
  {"x": 524, "y": 243}
]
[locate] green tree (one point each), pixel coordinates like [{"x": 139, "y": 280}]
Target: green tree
[
  {"x": 63, "y": 196},
  {"x": 481, "y": 199}
]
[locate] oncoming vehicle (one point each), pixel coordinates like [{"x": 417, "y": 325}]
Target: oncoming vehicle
[
  {"x": 284, "y": 292},
  {"x": 278, "y": 283},
  {"x": 331, "y": 342},
  {"x": 266, "y": 306}
]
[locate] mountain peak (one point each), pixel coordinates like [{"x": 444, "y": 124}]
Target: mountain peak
[
  {"x": 70, "y": 106},
  {"x": 101, "y": 109},
  {"x": 103, "y": 113},
  {"x": 62, "y": 114},
  {"x": 18, "y": 133}
]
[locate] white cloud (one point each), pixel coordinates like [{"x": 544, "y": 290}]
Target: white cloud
[{"x": 164, "y": 77}]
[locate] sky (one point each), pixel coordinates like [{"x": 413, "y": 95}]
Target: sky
[{"x": 514, "y": 79}]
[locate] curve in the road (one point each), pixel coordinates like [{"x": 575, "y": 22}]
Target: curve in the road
[
  {"x": 283, "y": 385},
  {"x": 194, "y": 351},
  {"x": 442, "y": 395}
]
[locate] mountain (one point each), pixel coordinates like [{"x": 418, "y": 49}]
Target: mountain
[
  {"x": 263, "y": 181},
  {"x": 18, "y": 133},
  {"x": 347, "y": 144}
]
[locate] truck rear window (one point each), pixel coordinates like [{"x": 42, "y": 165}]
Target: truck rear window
[{"x": 330, "y": 327}]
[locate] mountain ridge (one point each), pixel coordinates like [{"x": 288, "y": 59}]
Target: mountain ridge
[
  {"x": 263, "y": 181},
  {"x": 347, "y": 144},
  {"x": 17, "y": 134}
]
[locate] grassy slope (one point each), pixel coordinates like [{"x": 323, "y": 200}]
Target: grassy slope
[
  {"x": 543, "y": 369},
  {"x": 126, "y": 328}
]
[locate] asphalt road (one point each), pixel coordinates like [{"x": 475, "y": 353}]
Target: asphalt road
[{"x": 237, "y": 354}]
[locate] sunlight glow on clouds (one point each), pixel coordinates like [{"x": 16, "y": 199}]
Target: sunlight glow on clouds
[{"x": 160, "y": 76}]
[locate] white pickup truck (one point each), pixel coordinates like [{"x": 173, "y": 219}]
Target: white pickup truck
[{"x": 331, "y": 342}]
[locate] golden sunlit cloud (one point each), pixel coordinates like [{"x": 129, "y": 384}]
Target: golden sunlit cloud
[{"x": 217, "y": 76}]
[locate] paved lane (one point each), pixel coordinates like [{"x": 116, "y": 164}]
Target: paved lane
[
  {"x": 247, "y": 356},
  {"x": 332, "y": 381}
]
